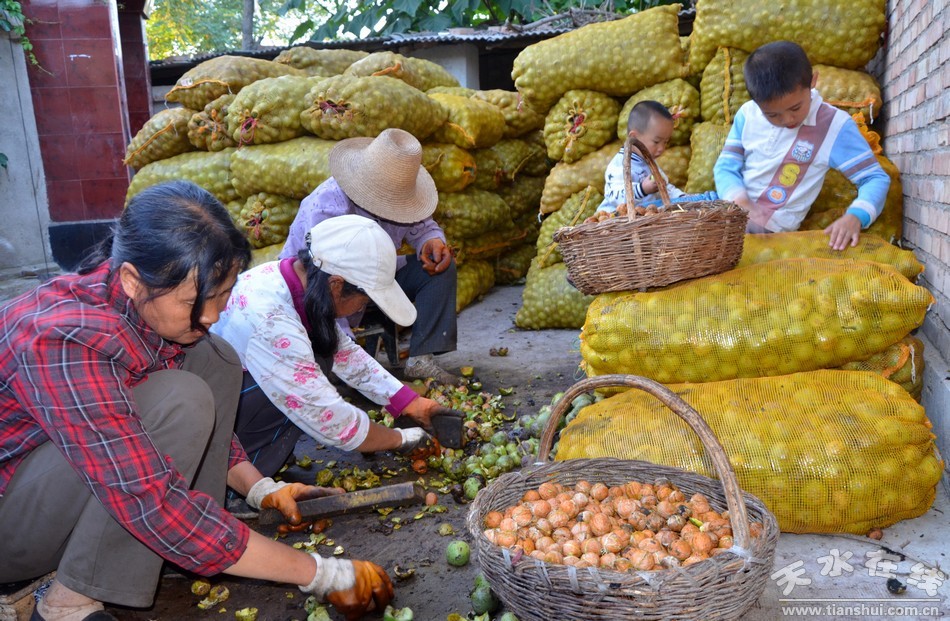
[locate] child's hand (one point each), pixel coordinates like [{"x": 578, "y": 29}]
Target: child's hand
[
  {"x": 649, "y": 185},
  {"x": 844, "y": 232}
]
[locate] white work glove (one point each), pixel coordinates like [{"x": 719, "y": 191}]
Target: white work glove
[
  {"x": 333, "y": 574},
  {"x": 413, "y": 438},
  {"x": 262, "y": 488}
]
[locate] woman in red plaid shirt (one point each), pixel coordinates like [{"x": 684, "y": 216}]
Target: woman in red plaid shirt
[{"x": 116, "y": 425}]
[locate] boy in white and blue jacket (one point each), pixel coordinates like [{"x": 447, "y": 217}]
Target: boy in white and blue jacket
[{"x": 784, "y": 141}]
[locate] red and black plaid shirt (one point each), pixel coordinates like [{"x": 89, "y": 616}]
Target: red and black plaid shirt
[{"x": 70, "y": 353}]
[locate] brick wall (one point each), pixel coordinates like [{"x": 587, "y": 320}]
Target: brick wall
[{"x": 914, "y": 72}]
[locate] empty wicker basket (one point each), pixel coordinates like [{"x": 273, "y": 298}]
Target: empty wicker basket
[
  {"x": 721, "y": 587},
  {"x": 681, "y": 241}
]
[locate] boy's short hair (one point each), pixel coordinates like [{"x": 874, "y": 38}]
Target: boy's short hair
[
  {"x": 776, "y": 69},
  {"x": 643, "y": 111}
]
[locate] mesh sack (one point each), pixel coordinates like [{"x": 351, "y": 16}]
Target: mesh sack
[
  {"x": 820, "y": 463},
  {"x": 902, "y": 363},
  {"x": 575, "y": 210},
  {"x": 211, "y": 171},
  {"x": 567, "y": 179},
  {"x": 319, "y": 62},
  {"x": 837, "y": 193},
  {"x": 347, "y": 107},
  {"x": 471, "y": 213},
  {"x": 461, "y": 91},
  {"x": 234, "y": 209},
  {"x": 266, "y": 218},
  {"x": 520, "y": 118},
  {"x": 514, "y": 265},
  {"x": 706, "y": 144},
  {"x": 269, "y": 110},
  {"x": 164, "y": 135},
  {"x": 674, "y": 162},
  {"x": 843, "y": 34},
  {"x": 418, "y": 73},
  {"x": 208, "y": 129},
  {"x": 491, "y": 244},
  {"x": 618, "y": 58},
  {"x": 519, "y": 157},
  {"x": 530, "y": 225},
  {"x": 550, "y": 301},
  {"x": 722, "y": 88},
  {"x": 294, "y": 168},
  {"x": 814, "y": 244},
  {"x": 768, "y": 319},
  {"x": 471, "y": 123},
  {"x": 260, "y": 256},
  {"x": 490, "y": 173},
  {"x": 579, "y": 123},
  {"x": 852, "y": 91},
  {"x": 679, "y": 97},
  {"x": 452, "y": 168},
  {"x": 523, "y": 196},
  {"x": 207, "y": 81},
  {"x": 475, "y": 278}
]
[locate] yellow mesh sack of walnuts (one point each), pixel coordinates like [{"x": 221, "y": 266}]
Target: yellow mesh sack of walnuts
[
  {"x": 722, "y": 88},
  {"x": 211, "y": 171},
  {"x": 471, "y": 213},
  {"x": 618, "y": 58},
  {"x": 902, "y": 363},
  {"x": 580, "y": 122},
  {"x": 164, "y": 135},
  {"x": 575, "y": 210},
  {"x": 550, "y": 301},
  {"x": 452, "y": 168},
  {"x": 523, "y": 196},
  {"x": 706, "y": 144},
  {"x": 475, "y": 278},
  {"x": 767, "y": 319},
  {"x": 679, "y": 97},
  {"x": 513, "y": 266},
  {"x": 266, "y": 218},
  {"x": 293, "y": 168},
  {"x": 208, "y": 129},
  {"x": 675, "y": 163},
  {"x": 269, "y": 110},
  {"x": 520, "y": 118},
  {"x": 470, "y": 123},
  {"x": 207, "y": 81},
  {"x": 416, "y": 72},
  {"x": 569, "y": 178},
  {"x": 832, "y": 32},
  {"x": 319, "y": 62},
  {"x": 820, "y": 462},
  {"x": 814, "y": 244}
]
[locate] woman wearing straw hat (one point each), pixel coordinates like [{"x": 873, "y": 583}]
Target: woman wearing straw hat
[
  {"x": 281, "y": 318},
  {"x": 383, "y": 179}
]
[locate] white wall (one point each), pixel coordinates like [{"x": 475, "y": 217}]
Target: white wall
[
  {"x": 24, "y": 208},
  {"x": 459, "y": 59}
]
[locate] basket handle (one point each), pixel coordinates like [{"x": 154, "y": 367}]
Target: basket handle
[
  {"x": 738, "y": 515},
  {"x": 628, "y": 145}
]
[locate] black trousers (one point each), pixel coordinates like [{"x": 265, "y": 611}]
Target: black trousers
[{"x": 435, "y": 330}]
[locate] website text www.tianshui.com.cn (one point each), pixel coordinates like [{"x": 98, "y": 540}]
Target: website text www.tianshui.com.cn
[{"x": 860, "y": 609}]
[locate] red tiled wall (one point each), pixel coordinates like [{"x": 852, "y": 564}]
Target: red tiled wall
[
  {"x": 79, "y": 102},
  {"x": 138, "y": 83},
  {"x": 915, "y": 80}
]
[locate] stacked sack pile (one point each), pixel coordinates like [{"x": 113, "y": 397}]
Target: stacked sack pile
[
  {"x": 699, "y": 79},
  {"x": 257, "y": 133},
  {"x": 801, "y": 358}
]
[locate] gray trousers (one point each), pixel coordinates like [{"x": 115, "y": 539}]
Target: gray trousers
[
  {"x": 436, "y": 329},
  {"x": 49, "y": 520}
]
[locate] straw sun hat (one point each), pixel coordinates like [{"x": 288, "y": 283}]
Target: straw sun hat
[{"x": 384, "y": 176}]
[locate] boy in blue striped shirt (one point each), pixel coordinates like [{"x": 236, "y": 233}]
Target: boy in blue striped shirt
[{"x": 784, "y": 141}]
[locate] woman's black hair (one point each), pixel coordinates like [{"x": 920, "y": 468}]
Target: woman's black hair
[
  {"x": 318, "y": 305},
  {"x": 170, "y": 232},
  {"x": 775, "y": 70}
]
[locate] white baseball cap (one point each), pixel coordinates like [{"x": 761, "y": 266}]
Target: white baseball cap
[{"x": 358, "y": 250}]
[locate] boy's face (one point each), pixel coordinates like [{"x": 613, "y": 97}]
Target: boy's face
[
  {"x": 656, "y": 136},
  {"x": 789, "y": 110}
]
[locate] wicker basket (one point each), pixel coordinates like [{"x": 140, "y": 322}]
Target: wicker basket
[
  {"x": 683, "y": 240},
  {"x": 721, "y": 587}
]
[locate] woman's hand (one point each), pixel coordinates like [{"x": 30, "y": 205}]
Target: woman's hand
[
  {"x": 420, "y": 410},
  {"x": 269, "y": 494},
  {"x": 436, "y": 256}
]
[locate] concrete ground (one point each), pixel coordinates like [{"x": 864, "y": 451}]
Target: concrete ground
[{"x": 814, "y": 576}]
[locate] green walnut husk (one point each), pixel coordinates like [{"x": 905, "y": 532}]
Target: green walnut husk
[
  {"x": 566, "y": 179},
  {"x": 580, "y": 122},
  {"x": 475, "y": 278},
  {"x": 208, "y": 129},
  {"x": 319, "y": 62},
  {"x": 579, "y": 206},
  {"x": 471, "y": 213},
  {"x": 471, "y": 123},
  {"x": 706, "y": 144},
  {"x": 843, "y": 34},
  {"x": 679, "y": 97},
  {"x": 266, "y": 218},
  {"x": 549, "y": 301},
  {"x": 722, "y": 88},
  {"x": 608, "y": 57},
  {"x": 212, "y": 171},
  {"x": 452, "y": 168},
  {"x": 207, "y": 81},
  {"x": 293, "y": 168},
  {"x": 164, "y": 135},
  {"x": 674, "y": 162},
  {"x": 269, "y": 110},
  {"x": 347, "y": 106}
]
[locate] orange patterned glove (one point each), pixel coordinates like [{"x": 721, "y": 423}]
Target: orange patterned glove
[
  {"x": 283, "y": 496},
  {"x": 352, "y": 587}
]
